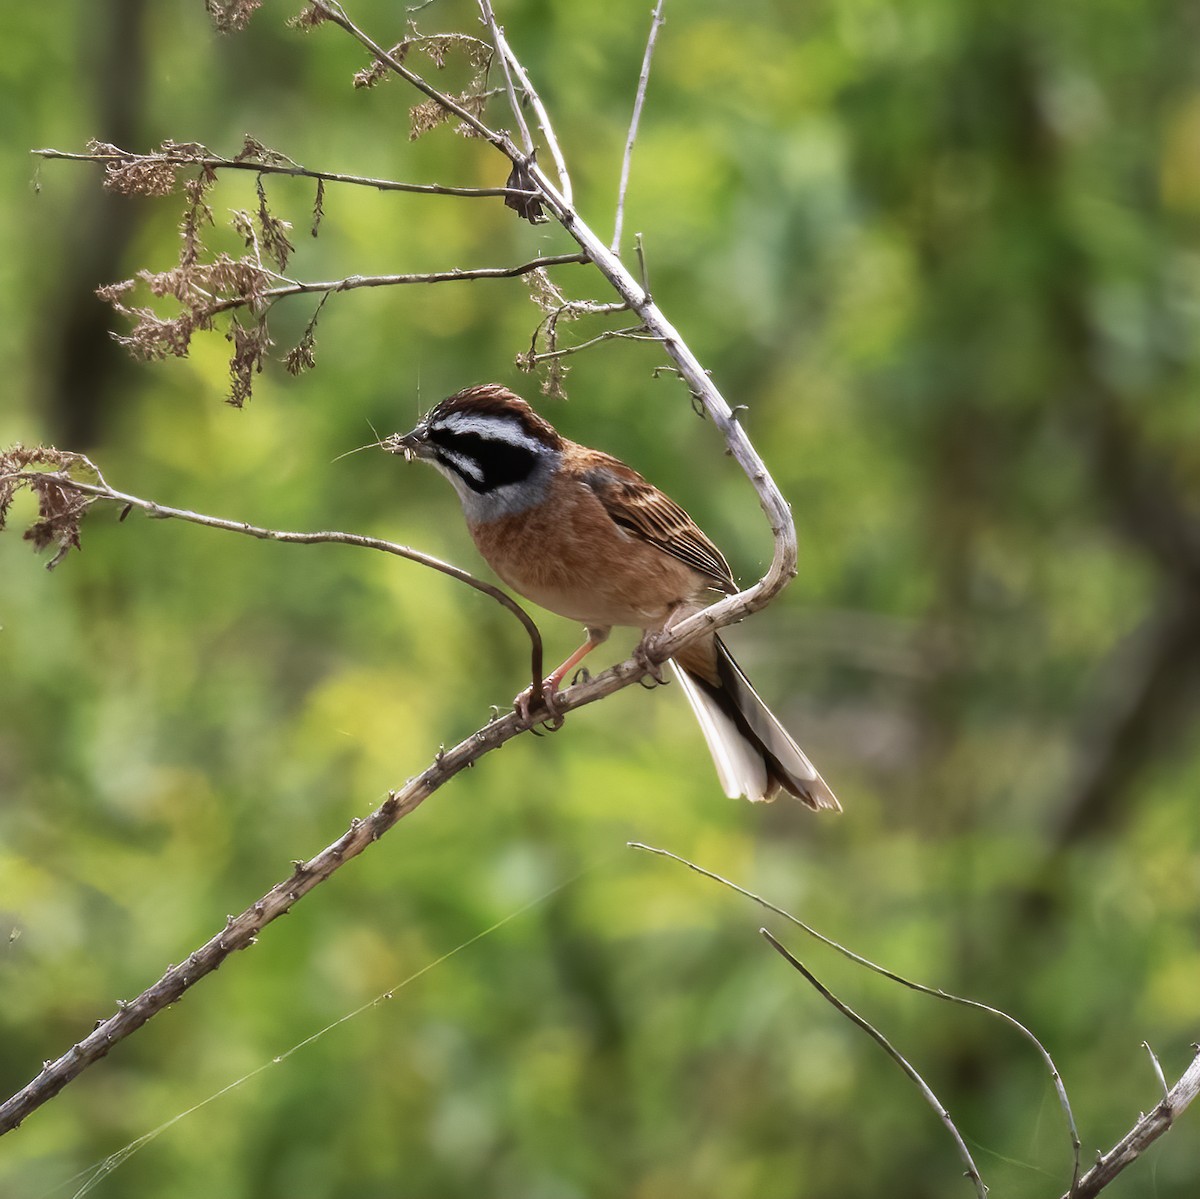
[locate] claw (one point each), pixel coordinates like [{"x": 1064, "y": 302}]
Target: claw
[
  {"x": 548, "y": 700},
  {"x": 645, "y": 658},
  {"x": 524, "y": 705}
]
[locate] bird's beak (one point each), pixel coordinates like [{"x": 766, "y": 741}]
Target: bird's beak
[{"x": 411, "y": 445}]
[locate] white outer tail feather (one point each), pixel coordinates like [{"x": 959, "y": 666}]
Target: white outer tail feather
[{"x": 740, "y": 765}]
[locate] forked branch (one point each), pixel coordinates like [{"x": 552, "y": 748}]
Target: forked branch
[
  {"x": 1142, "y": 1135},
  {"x": 241, "y": 931},
  {"x": 269, "y": 235},
  {"x": 875, "y": 967}
]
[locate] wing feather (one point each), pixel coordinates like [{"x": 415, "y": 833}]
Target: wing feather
[{"x": 641, "y": 509}]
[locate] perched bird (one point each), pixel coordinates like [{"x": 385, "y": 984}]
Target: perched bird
[{"x": 585, "y": 536}]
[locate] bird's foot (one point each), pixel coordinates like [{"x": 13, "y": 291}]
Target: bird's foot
[
  {"x": 647, "y": 657},
  {"x": 528, "y": 706}
]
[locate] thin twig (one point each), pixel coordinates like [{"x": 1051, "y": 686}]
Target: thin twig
[
  {"x": 637, "y": 333},
  {"x": 896, "y": 1056},
  {"x": 1142, "y": 1135},
  {"x": 936, "y": 992},
  {"x": 216, "y": 162},
  {"x": 102, "y": 491},
  {"x": 1158, "y": 1070},
  {"x": 514, "y": 103},
  {"x": 639, "y": 100},
  {"x": 353, "y": 282},
  {"x": 566, "y": 310},
  {"x": 572, "y": 310},
  {"x": 336, "y": 14},
  {"x": 544, "y": 124}
]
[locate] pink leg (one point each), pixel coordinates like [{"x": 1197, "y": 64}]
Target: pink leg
[{"x": 554, "y": 680}]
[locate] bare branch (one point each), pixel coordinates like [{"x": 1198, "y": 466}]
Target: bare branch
[
  {"x": 1142, "y": 1135},
  {"x": 896, "y": 1056},
  {"x": 636, "y": 333},
  {"x": 544, "y": 124},
  {"x": 513, "y": 102},
  {"x": 353, "y": 282},
  {"x": 639, "y": 100},
  {"x": 936, "y": 992},
  {"x": 242, "y": 931},
  {"x": 102, "y": 491}
]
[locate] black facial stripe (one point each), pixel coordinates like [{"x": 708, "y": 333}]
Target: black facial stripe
[{"x": 497, "y": 463}]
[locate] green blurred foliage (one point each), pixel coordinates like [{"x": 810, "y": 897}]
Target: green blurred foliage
[{"x": 947, "y": 254}]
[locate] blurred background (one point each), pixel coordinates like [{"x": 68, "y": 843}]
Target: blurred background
[{"x": 948, "y": 256}]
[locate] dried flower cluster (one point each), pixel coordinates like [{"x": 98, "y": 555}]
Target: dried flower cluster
[
  {"x": 439, "y": 49},
  {"x": 430, "y": 114},
  {"x": 551, "y": 301},
  {"x": 302, "y": 356},
  {"x": 231, "y": 15},
  {"x": 309, "y": 17},
  {"x": 205, "y": 284},
  {"x": 59, "y": 509}
]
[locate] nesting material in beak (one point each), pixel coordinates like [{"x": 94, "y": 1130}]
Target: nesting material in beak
[{"x": 403, "y": 443}]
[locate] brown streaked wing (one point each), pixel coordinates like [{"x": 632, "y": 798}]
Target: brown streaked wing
[{"x": 641, "y": 509}]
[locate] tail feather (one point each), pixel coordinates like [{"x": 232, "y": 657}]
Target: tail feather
[
  {"x": 754, "y": 754},
  {"x": 740, "y": 766}
]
